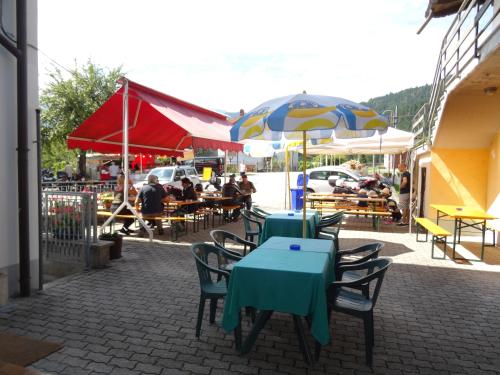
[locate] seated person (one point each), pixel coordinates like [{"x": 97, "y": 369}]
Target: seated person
[
  {"x": 215, "y": 181},
  {"x": 391, "y": 205},
  {"x": 341, "y": 188},
  {"x": 198, "y": 188},
  {"x": 362, "y": 193},
  {"x": 188, "y": 194},
  {"x": 118, "y": 196},
  {"x": 231, "y": 189},
  {"x": 150, "y": 199}
]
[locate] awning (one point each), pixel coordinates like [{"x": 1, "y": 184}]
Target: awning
[{"x": 158, "y": 124}]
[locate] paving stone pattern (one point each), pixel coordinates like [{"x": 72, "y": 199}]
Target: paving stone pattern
[{"x": 138, "y": 317}]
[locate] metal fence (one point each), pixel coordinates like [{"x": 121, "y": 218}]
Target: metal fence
[
  {"x": 69, "y": 228},
  {"x": 80, "y": 186}
]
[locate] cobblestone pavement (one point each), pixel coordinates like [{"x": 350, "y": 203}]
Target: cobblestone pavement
[{"x": 138, "y": 317}]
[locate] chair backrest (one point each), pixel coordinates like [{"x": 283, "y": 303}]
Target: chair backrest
[
  {"x": 333, "y": 218},
  {"x": 368, "y": 251},
  {"x": 258, "y": 214},
  {"x": 259, "y": 210},
  {"x": 201, "y": 252},
  {"x": 250, "y": 221},
  {"x": 376, "y": 269},
  {"x": 222, "y": 237},
  {"x": 329, "y": 221}
]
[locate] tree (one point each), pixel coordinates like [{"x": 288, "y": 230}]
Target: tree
[{"x": 66, "y": 102}]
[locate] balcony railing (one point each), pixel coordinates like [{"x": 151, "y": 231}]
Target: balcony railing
[{"x": 473, "y": 26}]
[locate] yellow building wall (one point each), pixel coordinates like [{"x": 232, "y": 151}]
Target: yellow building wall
[
  {"x": 493, "y": 186},
  {"x": 458, "y": 177}
]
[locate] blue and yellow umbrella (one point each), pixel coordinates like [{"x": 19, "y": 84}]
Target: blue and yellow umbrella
[{"x": 308, "y": 117}]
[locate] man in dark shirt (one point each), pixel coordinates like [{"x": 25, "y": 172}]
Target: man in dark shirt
[
  {"x": 151, "y": 202},
  {"x": 231, "y": 189},
  {"x": 404, "y": 194}
]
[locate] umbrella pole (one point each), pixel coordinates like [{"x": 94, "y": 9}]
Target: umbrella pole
[
  {"x": 304, "y": 184},
  {"x": 225, "y": 166}
]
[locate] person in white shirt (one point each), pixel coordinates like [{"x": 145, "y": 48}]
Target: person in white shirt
[
  {"x": 113, "y": 170},
  {"x": 243, "y": 168}
]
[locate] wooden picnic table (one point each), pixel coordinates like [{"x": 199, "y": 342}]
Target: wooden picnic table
[{"x": 476, "y": 216}]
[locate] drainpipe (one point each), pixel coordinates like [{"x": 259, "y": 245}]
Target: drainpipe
[
  {"x": 39, "y": 178},
  {"x": 20, "y": 52},
  {"x": 22, "y": 148}
]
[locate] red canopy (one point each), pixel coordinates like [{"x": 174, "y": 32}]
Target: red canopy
[{"x": 158, "y": 124}]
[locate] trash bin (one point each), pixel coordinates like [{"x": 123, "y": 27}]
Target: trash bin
[{"x": 297, "y": 201}]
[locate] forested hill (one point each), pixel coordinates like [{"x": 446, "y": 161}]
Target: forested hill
[{"x": 408, "y": 101}]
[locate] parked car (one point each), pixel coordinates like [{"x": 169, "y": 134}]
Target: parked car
[
  {"x": 320, "y": 178},
  {"x": 171, "y": 176}
]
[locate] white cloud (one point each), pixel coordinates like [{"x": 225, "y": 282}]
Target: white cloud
[{"x": 229, "y": 54}]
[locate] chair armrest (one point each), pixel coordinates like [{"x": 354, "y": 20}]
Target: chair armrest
[
  {"x": 230, "y": 255},
  {"x": 215, "y": 270}
]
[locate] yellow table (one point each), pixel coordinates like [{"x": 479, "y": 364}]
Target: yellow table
[{"x": 459, "y": 214}]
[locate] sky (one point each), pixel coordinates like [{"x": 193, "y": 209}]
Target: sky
[{"x": 232, "y": 54}]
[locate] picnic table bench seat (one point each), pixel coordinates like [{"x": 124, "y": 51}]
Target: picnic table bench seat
[{"x": 439, "y": 234}]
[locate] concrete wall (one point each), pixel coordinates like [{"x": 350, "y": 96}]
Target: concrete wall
[{"x": 9, "y": 259}]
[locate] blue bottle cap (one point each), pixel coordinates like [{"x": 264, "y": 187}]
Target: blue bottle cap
[
  {"x": 291, "y": 214},
  {"x": 295, "y": 247}
]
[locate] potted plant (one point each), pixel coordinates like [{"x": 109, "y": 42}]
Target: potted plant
[
  {"x": 115, "y": 250},
  {"x": 106, "y": 199},
  {"x": 66, "y": 220}
]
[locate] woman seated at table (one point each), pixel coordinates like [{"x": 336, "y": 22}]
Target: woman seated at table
[
  {"x": 362, "y": 193},
  {"x": 118, "y": 197},
  {"x": 188, "y": 194}
]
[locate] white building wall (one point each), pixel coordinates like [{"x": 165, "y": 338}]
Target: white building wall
[{"x": 9, "y": 228}]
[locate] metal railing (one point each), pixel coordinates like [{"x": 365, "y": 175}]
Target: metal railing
[
  {"x": 80, "y": 186},
  {"x": 469, "y": 32},
  {"x": 69, "y": 227}
]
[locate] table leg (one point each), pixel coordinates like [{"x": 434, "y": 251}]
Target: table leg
[
  {"x": 483, "y": 230},
  {"x": 304, "y": 347},
  {"x": 260, "y": 322},
  {"x": 455, "y": 237}
]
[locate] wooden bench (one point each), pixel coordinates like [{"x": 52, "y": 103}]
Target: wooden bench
[
  {"x": 173, "y": 231},
  {"x": 439, "y": 234},
  {"x": 365, "y": 211}
]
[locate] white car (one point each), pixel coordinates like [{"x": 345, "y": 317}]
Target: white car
[
  {"x": 171, "y": 176},
  {"x": 318, "y": 178}
]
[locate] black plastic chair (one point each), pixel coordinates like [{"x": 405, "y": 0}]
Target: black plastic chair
[
  {"x": 209, "y": 288},
  {"x": 220, "y": 237},
  {"x": 260, "y": 211},
  {"x": 341, "y": 298},
  {"x": 329, "y": 228},
  {"x": 253, "y": 227},
  {"x": 361, "y": 254}
]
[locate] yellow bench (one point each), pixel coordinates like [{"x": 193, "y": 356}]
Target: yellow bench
[
  {"x": 494, "y": 227},
  {"x": 439, "y": 234}
]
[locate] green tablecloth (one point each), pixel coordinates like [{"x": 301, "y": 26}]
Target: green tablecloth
[
  {"x": 306, "y": 244},
  {"x": 282, "y": 224},
  {"x": 282, "y": 280}
]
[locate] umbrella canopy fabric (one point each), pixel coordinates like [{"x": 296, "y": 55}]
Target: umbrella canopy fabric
[
  {"x": 303, "y": 117},
  {"x": 159, "y": 124},
  {"x": 318, "y": 115},
  {"x": 393, "y": 141}
]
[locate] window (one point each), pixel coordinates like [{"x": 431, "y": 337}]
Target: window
[
  {"x": 162, "y": 173},
  {"x": 346, "y": 177},
  {"x": 192, "y": 172},
  {"x": 180, "y": 173},
  {"x": 319, "y": 175}
]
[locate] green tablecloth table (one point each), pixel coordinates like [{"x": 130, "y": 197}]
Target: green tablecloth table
[
  {"x": 307, "y": 245},
  {"x": 294, "y": 282},
  {"x": 282, "y": 224}
]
